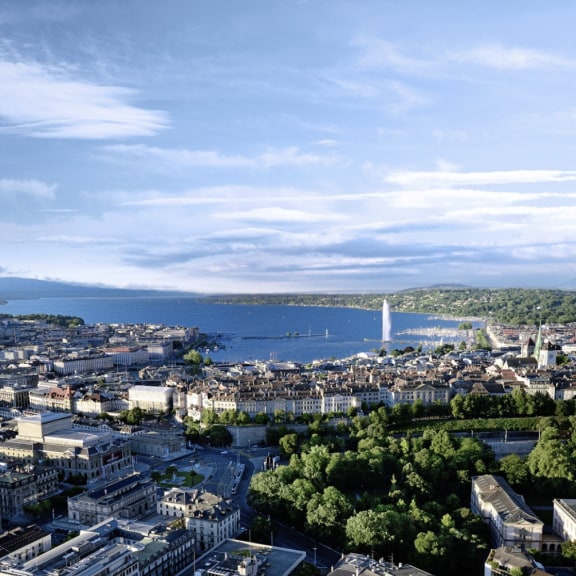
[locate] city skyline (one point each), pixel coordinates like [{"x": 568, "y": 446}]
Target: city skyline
[{"x": 305, "y": 146}]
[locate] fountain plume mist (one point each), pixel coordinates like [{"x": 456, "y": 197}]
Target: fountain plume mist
[{"x": 386, "y": 322}]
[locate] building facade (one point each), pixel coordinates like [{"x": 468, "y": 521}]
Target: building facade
[
  {"x": 510, "y": 520},
  {"x": 130, "y": 497},
  {"x": 210, "y": 518}
]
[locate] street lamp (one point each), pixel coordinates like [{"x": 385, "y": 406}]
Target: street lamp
[{"x": 314, "y": 555}]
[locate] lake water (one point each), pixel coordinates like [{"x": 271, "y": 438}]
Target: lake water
[{"x": 252, "y": 332}]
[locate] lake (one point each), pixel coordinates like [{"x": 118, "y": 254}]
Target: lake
[{"x": 248, "y": 332}]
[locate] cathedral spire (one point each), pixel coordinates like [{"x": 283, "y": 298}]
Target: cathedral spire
[{"x": 538, "y": 345}]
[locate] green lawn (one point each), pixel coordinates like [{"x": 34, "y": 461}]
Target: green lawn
[{"x": 190, "y": 479}]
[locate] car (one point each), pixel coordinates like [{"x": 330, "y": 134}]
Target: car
[{"x": 224, "y": 452}]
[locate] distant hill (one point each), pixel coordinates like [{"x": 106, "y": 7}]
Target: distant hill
[{"x": 12, "y": 288}]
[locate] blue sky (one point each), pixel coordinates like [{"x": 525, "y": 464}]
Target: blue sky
[{"x": 288, "y": 145}]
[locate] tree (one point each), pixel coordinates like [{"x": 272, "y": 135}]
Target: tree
[
  {"x": 193, "y": 357},
  {"x": 314, "y": 465},
  {"x": 217, "y": 435},
  {"x": 551, "y": 458},
  {"x": 380, "y": 532},
  {"x": 298, "y": 495},
  {"x": 244, "y": 418},
  {"x": 418, "y": 409},
  {"x": 457, "y": 406},
  {"x": 569, "y": 550},
  {"x": 515, "y": 470},
  {"x": 261, "y": 418},
  {"x": 209, "y": 417},
  {"x": 133, "y": 416},
  {"x": 289, "y": 444},
  {"x": 261, "y": 529},
  {"x": 363, "y": 531},
  {"x": 265, "y": 492},
  {"x": 326, "y": 514}
]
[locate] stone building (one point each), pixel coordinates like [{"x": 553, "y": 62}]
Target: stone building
[
  {"x": 50, "y": 437},
  {"x": 130, "y": 497},
  {"x": 510, "y": 520},
  {"x": 23, "y": 544},
  {"x": 210, "y": 518},
  {"x": 21, "y": 488}
]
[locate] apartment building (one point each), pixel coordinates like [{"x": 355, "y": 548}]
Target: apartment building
[
  {"x": 130, "y": 497},
  {"x": 52, "y": 400},
  {"x": 78, "y": 364},
  {"x": 209, "y": 517},
  {"x": 359, "y": 565},
  {"x": 96, "y": 403},
  {"x": 128, "y": 355},
  {"x": 19, "y": 488},
  {"x": 24, "y": 543},
  {"x": 113, "y": 548}
]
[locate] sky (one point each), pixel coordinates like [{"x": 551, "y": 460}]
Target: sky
[{"x": 265, "y": 146}]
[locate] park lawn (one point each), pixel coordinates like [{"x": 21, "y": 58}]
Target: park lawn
[{"x": 190, "y": 479}]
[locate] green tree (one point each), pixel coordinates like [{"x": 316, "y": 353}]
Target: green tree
[
  {"x": 244, "y": 419},
  {"x": 265, "y": 492},
  {"x": 515, "y": 470},
  {"x": 298, "y": 494},
  {"x": 289, "y": 444},
  {"x": 193, "y": 358},
  {"x": 326, "y": 514},
  {"x": 209, "y": 417},
  {"x": 314, "y": 465},
  {"x": 261, "y": 418},
  {"x": 457, "y": 406},
  {"x": 551, "y": 458},
  {"x": 217, "y": 435}
]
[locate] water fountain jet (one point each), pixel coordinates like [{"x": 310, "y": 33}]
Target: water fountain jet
[{"x": 386, "y": 322}]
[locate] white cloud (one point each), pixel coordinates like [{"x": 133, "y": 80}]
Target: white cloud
[
  {"x": 210, "y": 195},
  {"x": 512, "y": 58},
  {"x": 450, "y": 135},
  {"x": 328, "y": 143},
  {"x": 15, "y": 188},
  {"x": 428, "y": 179},
  {"x": 443, "y": 165},
  {"x": 383, "y": 54},
  {"x": 45, "y": 103},
  {"x": 182, "y": 157},
  {"x": 276, "y": 214}
]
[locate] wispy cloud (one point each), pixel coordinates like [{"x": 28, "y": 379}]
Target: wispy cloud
[
  {"x": 427, "y": 179},
  {"x": 378, "y": 53},
  {"x": 16, "y": 188},
  {"x": 276, "y": 214},
  {"x": 162, "y": 158},
  {"x": 512, "y": 58},
  {"x": 45, "y": 102}
]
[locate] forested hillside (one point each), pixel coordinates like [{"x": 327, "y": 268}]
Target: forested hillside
[{"x": 509, "y": 305}]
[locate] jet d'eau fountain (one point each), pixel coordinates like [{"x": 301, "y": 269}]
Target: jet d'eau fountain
[{"x": 386, "y": 322}]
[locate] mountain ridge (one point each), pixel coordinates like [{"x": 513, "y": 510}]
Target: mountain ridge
[{"x": 16, "y": 288}]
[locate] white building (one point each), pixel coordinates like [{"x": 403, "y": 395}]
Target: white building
[
  {"x": 209, "y": 517},
  {"x": 128, "y": 355},
  {"x": 81, "y": 364},
  {"x": 564, "y": 519},
  {"x": 153, "y": 399},
  {"x": 511, "y": 521}
]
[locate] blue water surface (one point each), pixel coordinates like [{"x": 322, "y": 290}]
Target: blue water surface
[{"x": 248, "y": 332}]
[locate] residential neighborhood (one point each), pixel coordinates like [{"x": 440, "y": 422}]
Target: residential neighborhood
[{"x": 63, "y": 391}]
